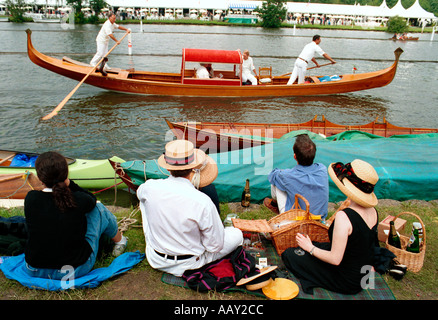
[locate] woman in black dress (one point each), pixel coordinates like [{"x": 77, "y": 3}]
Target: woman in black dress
[{"x": 343, "y": 265}]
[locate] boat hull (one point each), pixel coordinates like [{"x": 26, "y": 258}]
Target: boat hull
[
  {"x": 16, "y": 186},
  {"x": 169, "y": 84},
  {"x": 213, "y": 137}
]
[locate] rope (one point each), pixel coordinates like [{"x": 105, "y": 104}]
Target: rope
[
  {"x": 126, "y": 222},
  {"x": 108, "y": 188}
]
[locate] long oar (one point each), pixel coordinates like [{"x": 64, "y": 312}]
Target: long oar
[
  {"x": 63, "y": 102},
  {"x": 321, "y": 65}
]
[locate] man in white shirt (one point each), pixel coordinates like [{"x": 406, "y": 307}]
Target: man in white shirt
[
  {"x": 205, "y": 71},
  {"x": 102, "y": 39},
  {"x": 308, "y": 54},
  {"x": 248, "y": 68},
  {"x": 182, "y": 227}
]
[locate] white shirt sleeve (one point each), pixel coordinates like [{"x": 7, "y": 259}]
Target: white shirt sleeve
[{"x": 212, "y": 230}]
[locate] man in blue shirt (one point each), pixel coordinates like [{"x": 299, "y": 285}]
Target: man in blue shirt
[{"x": 307, "y": 179}]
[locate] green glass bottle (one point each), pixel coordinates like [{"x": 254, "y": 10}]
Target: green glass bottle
[
  {"x": 414, "y": 242},
  {"x": 393, "y": 238}
]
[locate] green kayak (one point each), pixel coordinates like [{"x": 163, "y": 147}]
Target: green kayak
[{"x": 88, "y": 174}]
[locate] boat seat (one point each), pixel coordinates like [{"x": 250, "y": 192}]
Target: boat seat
[
  {"x": 265, "y": 75},
  {"x": 123, "y": 74}
]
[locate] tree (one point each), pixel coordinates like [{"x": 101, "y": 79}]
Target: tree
[
  {"x": 16, "y": 8},
  {"x": 272, "y": 13},
  {"x": 397, "y": 25},
  {"x": 97, "y": 6},
  {"x": 79, "y": 15}
]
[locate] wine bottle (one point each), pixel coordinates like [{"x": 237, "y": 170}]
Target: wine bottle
[
  {"x": 414, "y": 242},
  {"x": 393, "y": 238},
  {"x": 246, "y": 195}
]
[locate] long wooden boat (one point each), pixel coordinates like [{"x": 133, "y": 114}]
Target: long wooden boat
[
  {"x": 17, "y": 185},
  {"x": 225, "y": 83},
  {"x": 406, "y": 39},
  {"x": 88, "y": 174},
  {"x": 232, "y": 136}
]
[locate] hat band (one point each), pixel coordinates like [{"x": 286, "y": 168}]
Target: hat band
[
  {"x": 346, "y": 171},
  {"x": 179, "y": 161}
]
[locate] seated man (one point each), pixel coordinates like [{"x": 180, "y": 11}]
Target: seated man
[
  {"x": 181, "y": 224},
  {"x": 205, "y": 71},
  {"x": 248, "y": 68},
  {"x": 307, "y": 179}
]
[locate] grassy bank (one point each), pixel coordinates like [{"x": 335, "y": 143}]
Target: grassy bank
[{"x": 143, "y": 282}]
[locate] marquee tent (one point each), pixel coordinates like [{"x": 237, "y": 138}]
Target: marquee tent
[{"x": 416, "y": 11}]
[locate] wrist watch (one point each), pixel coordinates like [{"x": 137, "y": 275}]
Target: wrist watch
[{"x": 311, "y": 251}]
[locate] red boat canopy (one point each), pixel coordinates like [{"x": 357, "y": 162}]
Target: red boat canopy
[{"x": 212, "y": 56}]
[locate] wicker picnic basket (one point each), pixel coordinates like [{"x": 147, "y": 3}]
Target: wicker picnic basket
[
  {"x": 285, "y": 236},
  {"x": 413, "y": 261}
]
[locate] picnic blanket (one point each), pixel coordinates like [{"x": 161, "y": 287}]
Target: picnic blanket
[
  {"x": 381, "y": 291},
  {"x": 13, "y": 268}
]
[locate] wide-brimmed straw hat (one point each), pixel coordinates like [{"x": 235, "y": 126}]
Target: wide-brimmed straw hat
[
  {"x": 356, "y": 180},
  {"x": 182, "y": 155},
  {"x": 259, "y": 280}
]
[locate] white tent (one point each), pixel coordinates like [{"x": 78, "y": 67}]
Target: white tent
[
  {"x": 398, "y": 10},
  {"x": 416, "y": 11},
  {"x": 384, "y": 10}
]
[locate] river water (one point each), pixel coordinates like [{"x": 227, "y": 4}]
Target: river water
[{"x": 97, "y": 124}]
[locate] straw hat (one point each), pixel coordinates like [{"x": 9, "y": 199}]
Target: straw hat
[
  {"x": 259, "y": 280},
  {"x": 356, "y": 180},
  {"x": 182, "y": 155},
  {"x": 281, "y": 289}
]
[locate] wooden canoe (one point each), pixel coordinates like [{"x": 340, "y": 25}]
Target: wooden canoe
[
  {"x": 16, "y": 186},
  {"x": 229, "y": 85},
  {"x": 232, "y": 136},
  {"x": 406, "y": 39},
  {"x": 88, "y": 174}
]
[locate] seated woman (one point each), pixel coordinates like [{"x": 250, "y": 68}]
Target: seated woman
[
  {"x": 338, "y": 265},
  {"x": 64, "y": 223}
]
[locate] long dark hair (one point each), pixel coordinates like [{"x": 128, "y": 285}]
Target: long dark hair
[{"x": 52, "y": 170}]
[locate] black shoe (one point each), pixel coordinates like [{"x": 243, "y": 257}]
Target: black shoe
[
  {"x": 396, "y": 274},
  {"x": 398, "y": 266}
]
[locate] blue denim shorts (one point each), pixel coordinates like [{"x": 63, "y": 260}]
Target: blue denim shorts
[{"x": 100, "y": 221}]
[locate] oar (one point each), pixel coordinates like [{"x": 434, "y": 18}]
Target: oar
[
  {"x": 321, "y": 65},
  {"x": 63, "y": 102}
]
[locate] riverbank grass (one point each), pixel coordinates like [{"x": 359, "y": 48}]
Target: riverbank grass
[{"x": 143, "y": 282}]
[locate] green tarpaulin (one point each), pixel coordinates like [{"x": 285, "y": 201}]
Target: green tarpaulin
[{"x": 407, "y": 165}]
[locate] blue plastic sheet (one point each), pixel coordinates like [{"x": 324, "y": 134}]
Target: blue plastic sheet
[
  {"x": 23, "y": 160},
  {"x": 13, "y": 268}
]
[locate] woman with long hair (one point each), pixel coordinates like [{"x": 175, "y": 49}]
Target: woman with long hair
[{"x": 65, "y": 223}]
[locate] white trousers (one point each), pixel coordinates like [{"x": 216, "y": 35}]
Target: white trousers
[
  {"x": 249, "y": 76},
  {"x": 233, "y": 238},
  {"x": 102, "y": 50},
  {"x": 299, "y": 72},
  {"x": 280, "y": 197}
]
